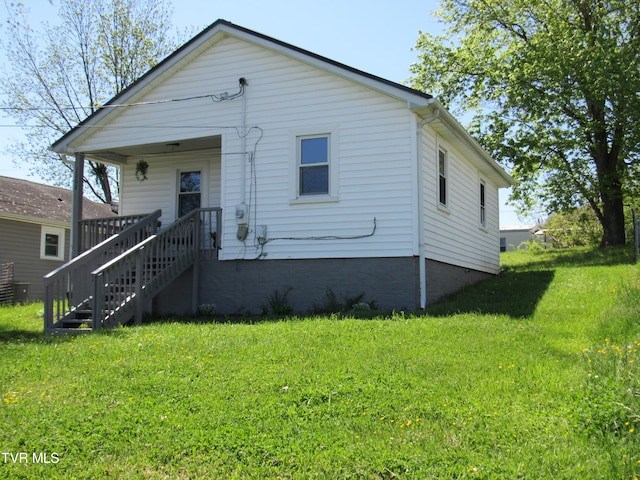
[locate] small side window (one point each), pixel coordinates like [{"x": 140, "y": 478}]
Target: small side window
[
  {"x": 483, "y": 205},
  {"x": 51, "y": 243},
  {"x": 442, "y": 177}
]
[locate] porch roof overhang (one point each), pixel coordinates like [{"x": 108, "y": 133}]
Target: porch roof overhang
[
  {"x": 120, "y": 155},
  {"x": 453, "y": 132}
]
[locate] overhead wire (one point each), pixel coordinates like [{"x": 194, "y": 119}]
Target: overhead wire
[{"x": 219, "y": 97}]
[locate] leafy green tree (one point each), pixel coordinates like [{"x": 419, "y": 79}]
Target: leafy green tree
[
  {"x": 553, "y": 85},
  {"x": 572, "y": 229},
  {"x": 60, "y": 74}
]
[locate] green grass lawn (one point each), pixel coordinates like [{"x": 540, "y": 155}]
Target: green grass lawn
[{"x": 534, "y": 375}]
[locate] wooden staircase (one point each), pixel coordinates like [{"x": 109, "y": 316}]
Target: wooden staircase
[
  {"x": 79, "y": 320},
  {"x": 114, "y": 282}
]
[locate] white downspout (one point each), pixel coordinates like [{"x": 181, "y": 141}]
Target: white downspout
[{"x": 422, "y": 257}]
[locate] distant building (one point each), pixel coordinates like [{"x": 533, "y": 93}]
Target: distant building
[{"x": 512, "y": 237}]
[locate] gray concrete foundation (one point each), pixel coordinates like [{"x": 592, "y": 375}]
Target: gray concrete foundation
[{"x": 245, "y": 287}]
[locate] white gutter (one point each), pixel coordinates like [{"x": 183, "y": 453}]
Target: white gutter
[{"x": 422, "y": 257}]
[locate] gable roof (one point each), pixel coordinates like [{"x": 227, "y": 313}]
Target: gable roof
[
  {"x": 419, "y": 102},
  {"x": 221, "y": 29},
  {"x": 30, "y": 200}
]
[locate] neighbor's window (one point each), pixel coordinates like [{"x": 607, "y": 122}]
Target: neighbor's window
[
  {"x": 503, "y": 244},
  {"x": 52, "y": 243},
  {"x": 190, "y": 194},
  {"x": 442, "y": 177},
  {"x": 313, "y": 165},
  {"x": 483, "y": 210}
]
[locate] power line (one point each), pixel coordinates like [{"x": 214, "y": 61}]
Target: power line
[{"x": 214, "y": 97}]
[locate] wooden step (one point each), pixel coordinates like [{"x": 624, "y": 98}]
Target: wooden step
[
  {"x": 85, "y": 313},
  {"x": 76, "y": 323},
  {"x": 67, "y": 331}
]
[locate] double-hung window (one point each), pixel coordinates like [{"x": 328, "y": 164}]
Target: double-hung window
[
  {"x": 483, "y": 205},
  {"x": 313, "y": 165},
  {"x": 51, "y": 243},
  {"x": 189, "y": 193},
  {"x": 442, "y": 177}
]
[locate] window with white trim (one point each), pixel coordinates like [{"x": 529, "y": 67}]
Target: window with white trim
[
  {"x": 51, "y": 243},
  {"x": 313, "y": 165},
  {"x": 483, "y": 204},
  {"x": 442, "y": 177},
  {"x": 189, "y": 192}
]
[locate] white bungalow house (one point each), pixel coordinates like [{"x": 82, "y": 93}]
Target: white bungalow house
[{"x": 298, "y": 173}]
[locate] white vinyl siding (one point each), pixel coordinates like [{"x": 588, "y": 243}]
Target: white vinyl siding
[
  {"x": 373, "y": 158},
  {"x": 160, "y": 190},
  {"x": 22, "y": 245},
  {"x": 452, "y": 235}
]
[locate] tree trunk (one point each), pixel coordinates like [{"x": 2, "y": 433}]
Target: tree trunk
[
  {"x": 613, "y": 221},
  {"x": 610, "y": 181}
]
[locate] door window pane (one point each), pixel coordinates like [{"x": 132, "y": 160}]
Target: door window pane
[{"x": 189, "y": 197}]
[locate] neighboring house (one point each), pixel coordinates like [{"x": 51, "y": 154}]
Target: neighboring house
[
  {"x": 34, "y": 232},
  {"x": 512, "y": 237},
  {"x": 323, "y": 177}
]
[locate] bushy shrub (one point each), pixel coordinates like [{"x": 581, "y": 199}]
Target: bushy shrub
[{"x": 579, "y": 228}]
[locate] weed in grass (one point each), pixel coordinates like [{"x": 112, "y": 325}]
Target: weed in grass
[
  {"x": 350, "y": 304},
  {"x": 278, "y": 303}
]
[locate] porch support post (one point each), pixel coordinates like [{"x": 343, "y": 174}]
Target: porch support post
[{"x": 76, "y": 204}]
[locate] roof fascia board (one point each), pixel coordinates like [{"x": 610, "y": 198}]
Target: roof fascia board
[{"x": 36, "y": 220}]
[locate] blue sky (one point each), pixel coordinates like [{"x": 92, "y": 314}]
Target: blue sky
[{"x": 376, "y": 37}]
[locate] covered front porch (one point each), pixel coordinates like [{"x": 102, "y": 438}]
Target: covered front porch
[
  {"x": 114, "y": 281},
  {"x": 118, "y": 265}
]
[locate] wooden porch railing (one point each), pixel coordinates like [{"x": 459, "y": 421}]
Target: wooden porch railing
[
  {"x": 210, "y": 231},
  {"x": 69, "y": 287},
  {"x": 96, "y": 230},
  {"x": 124, "y": 286}
]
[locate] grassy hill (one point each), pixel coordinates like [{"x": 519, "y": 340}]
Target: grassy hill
[{"x": 535, "y": 374}]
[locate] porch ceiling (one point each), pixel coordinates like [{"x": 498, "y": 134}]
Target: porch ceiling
[{"x": 119, "y": 155}]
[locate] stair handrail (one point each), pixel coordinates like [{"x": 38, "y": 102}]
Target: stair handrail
[
  {"x": 67, "y": 287},
  {"x": 95, "y": 230},
  {"x": 123, "y": 284}
]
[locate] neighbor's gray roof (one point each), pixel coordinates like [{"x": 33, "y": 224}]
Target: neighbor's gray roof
[{"x": 35, "y": 200}]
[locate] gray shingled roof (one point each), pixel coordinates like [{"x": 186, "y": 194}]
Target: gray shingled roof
[{"x": 35, "y": 200}]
